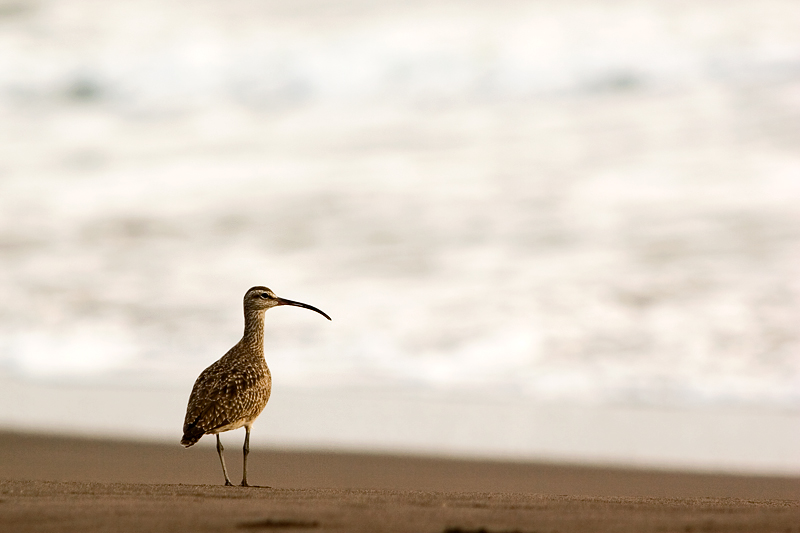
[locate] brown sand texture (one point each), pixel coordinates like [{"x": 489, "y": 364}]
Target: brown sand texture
[{"x": 64, "y": 484}]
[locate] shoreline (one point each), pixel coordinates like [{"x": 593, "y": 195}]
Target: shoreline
[
  {"x": 749, "y": 441},
  {"x": 30, "y": 456},
  {"x": 66, "y": 484}
]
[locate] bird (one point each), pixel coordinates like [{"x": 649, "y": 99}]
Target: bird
[{"x": 233, "y": 391}]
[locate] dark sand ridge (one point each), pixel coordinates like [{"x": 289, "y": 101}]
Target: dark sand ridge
[{"x": 70, "y": 484}]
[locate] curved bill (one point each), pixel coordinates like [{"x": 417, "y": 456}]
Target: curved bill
[{"x": 284, "y": 301}]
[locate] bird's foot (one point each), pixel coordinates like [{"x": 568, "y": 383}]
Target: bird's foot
[
  {"x": 244, "y": 483},
  {"x": 228, "y": 483}
]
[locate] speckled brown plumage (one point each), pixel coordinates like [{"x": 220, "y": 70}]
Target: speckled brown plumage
[{"x": 233, "y": 391}]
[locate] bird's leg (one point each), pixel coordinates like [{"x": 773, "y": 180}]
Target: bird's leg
[
  {"x": 245, "y": 453},
  {"x": 220, "y": 449}
]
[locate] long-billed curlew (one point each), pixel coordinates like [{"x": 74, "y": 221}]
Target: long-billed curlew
[{"x": 232, "y": 392}]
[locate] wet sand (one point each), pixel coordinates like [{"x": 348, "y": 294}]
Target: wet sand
[{"x": 69, "y": 484}]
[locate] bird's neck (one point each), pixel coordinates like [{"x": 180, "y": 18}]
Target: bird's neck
[{"x": 254, "y": 330}]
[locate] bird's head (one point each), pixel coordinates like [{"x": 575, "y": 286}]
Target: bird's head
[{"x": 261, "y": 299}]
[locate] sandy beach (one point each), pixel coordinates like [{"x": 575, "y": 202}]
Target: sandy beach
[{"x": 53, "y": 483}]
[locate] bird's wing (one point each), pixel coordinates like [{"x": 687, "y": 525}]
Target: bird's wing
[{"x": 221, "y": 395}]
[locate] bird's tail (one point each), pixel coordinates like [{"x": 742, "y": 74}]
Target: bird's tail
[{"x": 191, "y": 434}]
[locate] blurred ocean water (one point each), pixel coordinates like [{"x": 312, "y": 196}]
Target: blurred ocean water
[{"x": 591, "y": 202}]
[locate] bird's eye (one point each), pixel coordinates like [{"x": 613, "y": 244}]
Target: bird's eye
[{"x": 264, "y": 295}]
